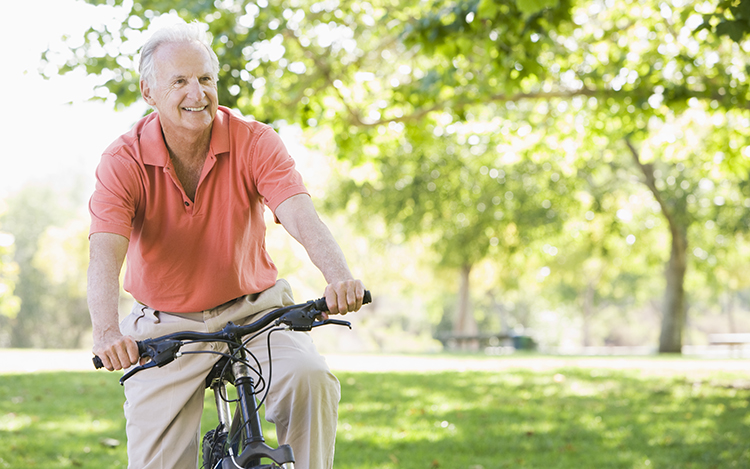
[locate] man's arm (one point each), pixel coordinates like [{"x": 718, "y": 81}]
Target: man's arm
[
  {"x": 106, "y": 256},
  {"x": 298, "y": 216}
]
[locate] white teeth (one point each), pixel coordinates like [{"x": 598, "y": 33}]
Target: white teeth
[{"x": 195, "y": 108}]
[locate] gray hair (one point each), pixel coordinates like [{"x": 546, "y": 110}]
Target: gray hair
[{"x": 176, "y": 33}]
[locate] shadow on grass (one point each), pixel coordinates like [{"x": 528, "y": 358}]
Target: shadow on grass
[
  {"x": 61, "y": 420},
  {"x": 68, "y": 419},
  {"x": 566, "y": 418}
]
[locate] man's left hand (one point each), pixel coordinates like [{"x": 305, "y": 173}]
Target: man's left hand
[{"x": 345, "y": 296}]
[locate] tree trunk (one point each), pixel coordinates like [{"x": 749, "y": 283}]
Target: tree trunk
[
  {"x": 465, "y": 324},
  {"x": 588, "y": 312},
  {"x": 673, "y": 320},
  {"x": 729, "y": 309},
  {"x": 674, "y": 308}
]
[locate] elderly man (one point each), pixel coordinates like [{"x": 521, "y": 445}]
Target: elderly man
[{"x": 182, "y": 194}]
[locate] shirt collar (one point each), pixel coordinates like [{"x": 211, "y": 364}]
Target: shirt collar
[{"x": 153, "y": 139}]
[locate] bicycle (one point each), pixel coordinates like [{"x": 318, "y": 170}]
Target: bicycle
[{"x": 237, "y": 441}]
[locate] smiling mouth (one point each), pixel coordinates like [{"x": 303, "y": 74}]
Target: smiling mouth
[{"x": 195, "y": 109}]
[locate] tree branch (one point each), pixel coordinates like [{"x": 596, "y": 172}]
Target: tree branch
[
  {"x": 457, "y": 104},
  {"x": 650, "y": 180},
  {"x": 564, "y": 94}
]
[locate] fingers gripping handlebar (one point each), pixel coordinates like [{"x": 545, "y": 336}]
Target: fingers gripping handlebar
[
  {"x": 301, "y": 317},
  {"x": 322, "y": 306},
  {"x": 161, "y": 352},
  {"x": 304, "y": 318}
]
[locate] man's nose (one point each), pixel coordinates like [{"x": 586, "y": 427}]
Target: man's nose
[{"x": 195, "y": 90}]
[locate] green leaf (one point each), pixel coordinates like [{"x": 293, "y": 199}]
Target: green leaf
[{"x": 529, "y": 7}]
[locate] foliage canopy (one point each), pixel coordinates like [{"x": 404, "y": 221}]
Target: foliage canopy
[{"x": 494, "y": 128}]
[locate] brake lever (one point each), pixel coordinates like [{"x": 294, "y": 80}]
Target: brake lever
[
  {"x": 298, "y": 320},
  {"x": 304, "y": 320},
  {"x": 161, "y": 353},
  {"x": 165, "y": 351},
  {"x": 337, "y": 322},
  {"x": 135, "y": 370}
]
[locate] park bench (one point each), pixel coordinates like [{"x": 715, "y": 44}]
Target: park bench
[
  {"x": 482, "y": 340},
  {"x": 735, "y": 341}
]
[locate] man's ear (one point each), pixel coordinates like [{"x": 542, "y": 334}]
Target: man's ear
[{"x": 146, "y": 92}]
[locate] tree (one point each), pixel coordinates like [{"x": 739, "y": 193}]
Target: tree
[
  {"x": 705, "y": 77},
  {"x": 641, "y": 65},
  {"x": 62, "y": 257},
  {"x": 50, "y": 287},
  {"x": 451, "y": 188},
  {"x": 9, "y": 302},
  {"x": 641, "y": 68}
]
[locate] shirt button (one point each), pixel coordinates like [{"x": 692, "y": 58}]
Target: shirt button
[{"x": 187, "y": 204}]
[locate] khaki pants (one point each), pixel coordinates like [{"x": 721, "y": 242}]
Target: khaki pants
[{"x": 164, "y": 405}]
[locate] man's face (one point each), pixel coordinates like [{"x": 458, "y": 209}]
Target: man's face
[{"x": 183, "y": 89}]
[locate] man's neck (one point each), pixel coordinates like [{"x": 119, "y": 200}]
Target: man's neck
[{"x": 187, "y": 148}]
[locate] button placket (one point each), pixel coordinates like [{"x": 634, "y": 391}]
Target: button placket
[{"x": 189, "y": 205}]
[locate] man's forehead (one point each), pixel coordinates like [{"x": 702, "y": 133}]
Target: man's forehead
[
  {"x": 176, "y": 49},
  {"x": 178, "y": 59}
]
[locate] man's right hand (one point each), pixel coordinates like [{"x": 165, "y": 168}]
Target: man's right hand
[{"x": 116, "y": 351}]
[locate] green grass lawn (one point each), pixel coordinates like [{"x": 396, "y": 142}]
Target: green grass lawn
[{"x": 562, "y": 418}]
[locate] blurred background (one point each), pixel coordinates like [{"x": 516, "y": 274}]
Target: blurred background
[{"x": 554, "y": 175}]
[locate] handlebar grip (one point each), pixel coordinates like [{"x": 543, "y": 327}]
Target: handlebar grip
[
  {"x": 142, "y": 349},
  {"x": 321, "y": 305}
]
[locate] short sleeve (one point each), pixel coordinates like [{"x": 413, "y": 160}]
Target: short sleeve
[
  {"x": 274, "y": 171},
  {"x": 113, "y": 204}
]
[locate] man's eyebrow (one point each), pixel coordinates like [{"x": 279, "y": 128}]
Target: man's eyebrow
[{"x": 179, "y": 76}]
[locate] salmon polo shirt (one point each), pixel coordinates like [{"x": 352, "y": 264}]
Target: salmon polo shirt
[{"x": 187, "y": 256}]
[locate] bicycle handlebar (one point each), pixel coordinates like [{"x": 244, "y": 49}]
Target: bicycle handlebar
[{"x": 299, "y": 317}]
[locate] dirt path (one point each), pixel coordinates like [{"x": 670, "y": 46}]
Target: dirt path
[{"x": 25, "y": 361}]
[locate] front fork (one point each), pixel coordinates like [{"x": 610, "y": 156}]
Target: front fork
[
  {"x": 246, "y": 422},
  {"x": 247, "y": 417},
  {"x": 219, "y": 388}
]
